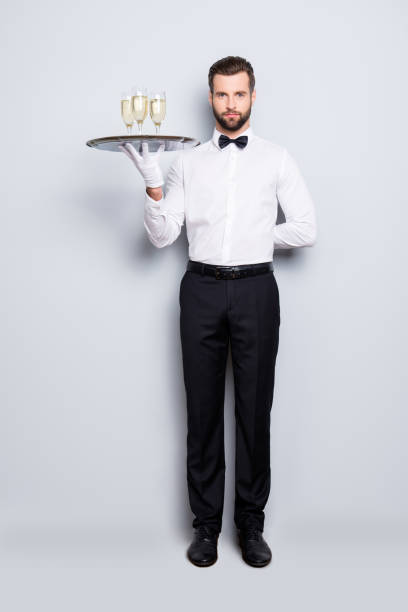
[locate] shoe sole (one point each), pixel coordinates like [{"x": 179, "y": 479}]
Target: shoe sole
[
  {"x": 204, "y": 563},
  {"x": 260, "y": 564}
]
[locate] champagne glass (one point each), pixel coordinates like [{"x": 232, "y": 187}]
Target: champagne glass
[
  {"x": 157, "y": 108},
  {"x": 139, "y": 106},
  {"x": 126, "y": 110}
]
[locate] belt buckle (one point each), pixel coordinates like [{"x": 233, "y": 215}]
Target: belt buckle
[
  {"x": 227, "y": 272},
  {"x": 221, "y": 273}
]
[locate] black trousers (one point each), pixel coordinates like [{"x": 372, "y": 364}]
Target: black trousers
[{"x": 213, "y": 312}]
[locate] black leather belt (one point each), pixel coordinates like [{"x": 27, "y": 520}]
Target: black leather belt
[{"x": 229, "y": 272}]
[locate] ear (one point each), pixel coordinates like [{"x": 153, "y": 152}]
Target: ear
[
  {"x": 253, "y": 95},
  {"x": 210, "y": 97}
]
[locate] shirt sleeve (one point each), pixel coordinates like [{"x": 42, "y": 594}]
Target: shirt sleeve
[
  {"x": 164, "y": 218},
  {"x": 300, "y": 228}
]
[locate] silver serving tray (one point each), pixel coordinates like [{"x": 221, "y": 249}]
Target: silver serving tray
[{"x": 171, "y": 143}]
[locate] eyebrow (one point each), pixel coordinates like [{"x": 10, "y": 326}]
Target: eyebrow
[{"x": 240, "y": 91}]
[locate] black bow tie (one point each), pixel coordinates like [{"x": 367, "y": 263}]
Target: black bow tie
[{"x": 241, "y": 141}]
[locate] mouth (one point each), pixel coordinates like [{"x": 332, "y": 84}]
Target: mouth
[{"x": 231, "y": 114}]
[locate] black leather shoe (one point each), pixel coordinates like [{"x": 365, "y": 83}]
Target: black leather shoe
[
  {"x": 203, "y": 549},
  {"x": 255, "y": 551}
]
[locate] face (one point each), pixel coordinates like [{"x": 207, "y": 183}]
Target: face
[{"x": 231, "y": 102}]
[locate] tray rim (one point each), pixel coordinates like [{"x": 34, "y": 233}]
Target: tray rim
[{"x": 104, "y": 139}]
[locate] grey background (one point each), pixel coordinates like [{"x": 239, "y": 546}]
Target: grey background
[{"x": 94, "y": 509}]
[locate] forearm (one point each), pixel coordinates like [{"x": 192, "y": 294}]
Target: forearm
[
  {"x": 164, "y": 208},
  {"x": 162, "y": 223},
  {"x": 154, "y": 222}
]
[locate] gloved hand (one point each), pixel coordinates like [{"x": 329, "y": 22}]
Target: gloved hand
[{"x": 147, "y": 163}]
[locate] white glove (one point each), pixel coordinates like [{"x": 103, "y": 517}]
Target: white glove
[{"x": 147, "y": 164}]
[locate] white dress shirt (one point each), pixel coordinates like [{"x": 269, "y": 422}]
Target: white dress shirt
[{"x": 229, "y": 200}]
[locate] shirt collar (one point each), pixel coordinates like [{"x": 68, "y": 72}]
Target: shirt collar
[{"x": 216, "y": 134}]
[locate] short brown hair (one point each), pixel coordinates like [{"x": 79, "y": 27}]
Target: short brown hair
[{"x": 231, "y": 65}]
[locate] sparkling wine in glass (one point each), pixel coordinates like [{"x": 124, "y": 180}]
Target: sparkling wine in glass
[
  {"x": 157, "y": 108},
  {"x": 126, "y": 110},
  {"x": 139, "y": 106}
]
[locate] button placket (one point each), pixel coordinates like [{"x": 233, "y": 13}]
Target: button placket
[{"x": 229, "y": 204}]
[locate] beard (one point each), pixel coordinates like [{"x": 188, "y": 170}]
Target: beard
[{"x": 233, "y": 125}]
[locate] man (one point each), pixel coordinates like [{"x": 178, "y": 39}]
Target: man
[{"x": 227, "y": 190}]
